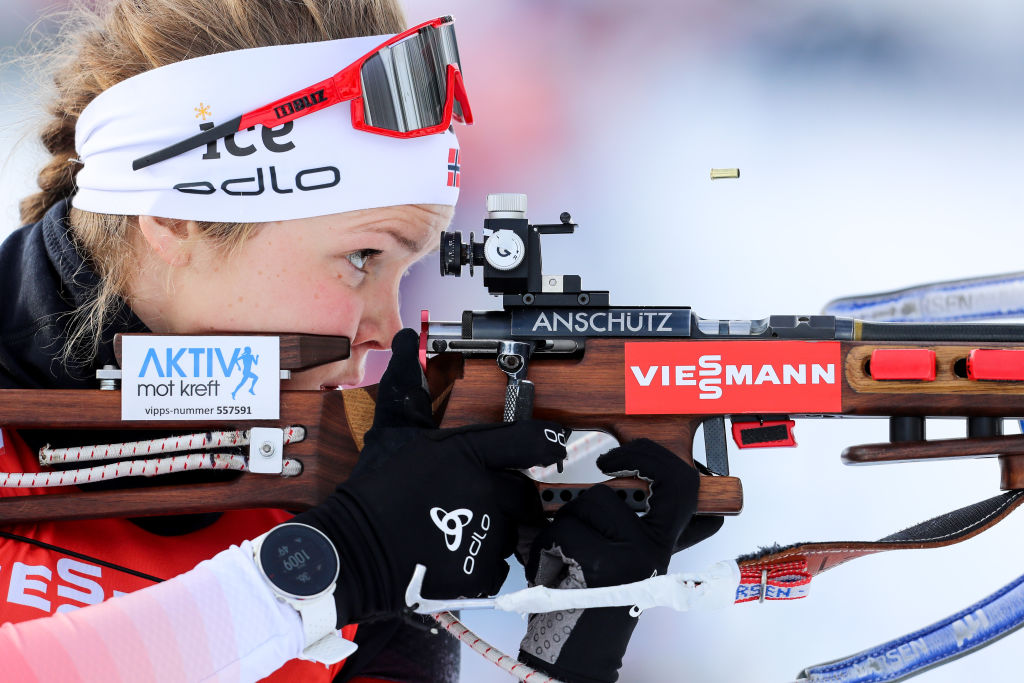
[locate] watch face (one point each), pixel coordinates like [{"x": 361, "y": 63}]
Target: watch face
[{"x": 299, "y": 560}]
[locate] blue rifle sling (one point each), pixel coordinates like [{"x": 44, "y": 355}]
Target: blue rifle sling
[{"x": 968, "y": 630}]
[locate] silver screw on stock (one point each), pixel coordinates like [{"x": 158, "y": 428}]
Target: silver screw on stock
[{"x": 108, "y": 377}]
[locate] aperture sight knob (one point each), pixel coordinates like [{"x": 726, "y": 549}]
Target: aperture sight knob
[{"x": 504, "y": 250}]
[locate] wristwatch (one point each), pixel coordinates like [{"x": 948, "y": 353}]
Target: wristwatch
[{"x": 301, "y": 566}]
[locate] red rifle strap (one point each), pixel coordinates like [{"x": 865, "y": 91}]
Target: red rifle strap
[{"x": 783, "y": 572}]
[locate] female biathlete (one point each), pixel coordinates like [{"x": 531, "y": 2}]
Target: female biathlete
[{"x": 278, "y": 165}]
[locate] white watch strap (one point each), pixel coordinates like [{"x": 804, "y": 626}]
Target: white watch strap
[
  {"x": 330, "y": 649},
  {"x": 323, "y": 642},
  {"x": 318, "y": 617}
]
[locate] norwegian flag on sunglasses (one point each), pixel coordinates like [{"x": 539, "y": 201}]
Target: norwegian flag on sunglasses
[{"x": 453, "y": 168}]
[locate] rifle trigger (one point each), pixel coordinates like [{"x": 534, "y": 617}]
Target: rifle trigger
[{"x": 716, "y": 451}]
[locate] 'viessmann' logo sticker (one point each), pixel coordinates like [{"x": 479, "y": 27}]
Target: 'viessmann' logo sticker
[{"x": 733, "y": 377}]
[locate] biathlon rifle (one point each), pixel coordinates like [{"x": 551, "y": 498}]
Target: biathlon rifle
[{"x": 558, "y": 352}]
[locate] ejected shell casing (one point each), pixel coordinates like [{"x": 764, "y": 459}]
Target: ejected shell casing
[{"x": 719, "y": 173}]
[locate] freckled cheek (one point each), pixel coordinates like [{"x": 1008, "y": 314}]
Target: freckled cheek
[{"x": 325, "y": 309}]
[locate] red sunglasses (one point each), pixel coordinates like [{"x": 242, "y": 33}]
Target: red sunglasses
[{"x": 407, "y": 87}]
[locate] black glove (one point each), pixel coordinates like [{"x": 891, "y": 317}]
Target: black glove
[
  {"x": 595, "y": 541},
  {"x": 446, "y": 499}
]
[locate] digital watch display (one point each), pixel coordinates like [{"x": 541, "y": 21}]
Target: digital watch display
[{"x": 298, "y": 560}]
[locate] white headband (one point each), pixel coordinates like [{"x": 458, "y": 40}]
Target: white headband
[{"x": 317, "y": 165}]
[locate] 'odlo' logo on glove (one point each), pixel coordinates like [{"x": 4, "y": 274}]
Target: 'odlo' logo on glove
[{"x": 451, "y": 523}]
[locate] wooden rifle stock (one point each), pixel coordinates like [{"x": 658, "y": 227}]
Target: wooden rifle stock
[
  {"x": 583, "y": 393},
  {"x": 335, "y": 422},
  {"x": 327, "y": 456}
]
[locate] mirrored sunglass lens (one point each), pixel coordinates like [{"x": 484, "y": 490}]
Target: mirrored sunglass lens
[
  {"x": 449, "y": 45},
  {"x": 380, "y": 107},
  {"x": 404, "y": 85}
]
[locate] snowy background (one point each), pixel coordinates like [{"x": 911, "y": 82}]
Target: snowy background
[{"x": 880, "y": 147}]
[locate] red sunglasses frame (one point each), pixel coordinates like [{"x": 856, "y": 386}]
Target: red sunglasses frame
[
  {"x": 342, "y": 86},
  {"x": 345, "y": 85}
]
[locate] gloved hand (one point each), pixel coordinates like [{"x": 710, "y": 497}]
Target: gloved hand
[
  {"x": 444, "y": 498},
  {"x": 595, "y": 541}
]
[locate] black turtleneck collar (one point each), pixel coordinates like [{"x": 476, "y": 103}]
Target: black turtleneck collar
[{"x": 43, "y": 278}]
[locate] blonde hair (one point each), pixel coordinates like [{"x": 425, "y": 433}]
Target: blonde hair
[{"x": 96, "y": 49}]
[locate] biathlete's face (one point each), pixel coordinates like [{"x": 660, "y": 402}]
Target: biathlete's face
[{"x": 336, "y": 275}]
